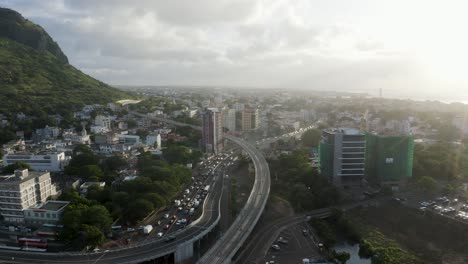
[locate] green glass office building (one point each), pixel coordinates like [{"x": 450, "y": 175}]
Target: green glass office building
[{"x": 389, "y": 159}]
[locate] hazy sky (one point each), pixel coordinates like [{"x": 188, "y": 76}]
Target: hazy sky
[{"x": 405, "y": 47}]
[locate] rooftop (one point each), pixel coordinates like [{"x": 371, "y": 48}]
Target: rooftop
[
  {"x": 213, "y": 109},
  {"x": 53, "y": 205},
  {"x": 345, "y": 131},
  {"x": 88, "y": 184},
  {"x": 14, "y": 179}
]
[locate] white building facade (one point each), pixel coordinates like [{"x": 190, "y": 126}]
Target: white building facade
[
  {"x": 53, "y": 161},
  {"x": 22, "y": 190}
]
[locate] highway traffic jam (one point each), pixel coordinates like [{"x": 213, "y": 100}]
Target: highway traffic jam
[{"x": 185, "y": 208}]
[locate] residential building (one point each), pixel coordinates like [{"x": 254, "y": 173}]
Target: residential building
[
  {"x": 129, "y": 139},
  {"x": 342, "y": 156},
  {"x": 239, "y": 106},
  {"x": 49, "y": 212},
  {"x": 50, "y": 161},
  {"x": 98, "y": 129},
  {"x": 22, "y": 190},
  {"x": 76, "y": 138},
  {"x": 212, "y": 130},
  {"x": 103, "y": 121},
  {"x": 108, "y": 149},
  {"x": 192, "y": 112},
  {"x": 389, "y": 159},
  {"x": 108, "y": 138},
  {"x": 46, "y": 133},
  {"x": 152, "y": 139},
  {"x": 250, "y": 119},
  {"x": 307, "y": 115},
  {"x": 229, "y": 119}
]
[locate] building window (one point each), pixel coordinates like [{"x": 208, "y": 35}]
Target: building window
[
  {"x": 36, "y": 215},
  {"x": 48, "y": 215}
]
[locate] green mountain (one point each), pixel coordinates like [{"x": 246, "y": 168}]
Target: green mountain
[{"x": 35, "y": 77}]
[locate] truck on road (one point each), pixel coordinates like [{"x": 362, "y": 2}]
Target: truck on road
[{"x": 147, "y": 229}]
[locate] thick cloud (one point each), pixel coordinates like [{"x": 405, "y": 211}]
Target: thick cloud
[{"x": 266, "y": 43}]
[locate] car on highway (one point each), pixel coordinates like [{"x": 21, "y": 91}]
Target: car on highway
[
  {"x": 282, "y": 240},
  {"x": 275, "y": 247},
  {"x": 160, "y": 234},
  {"x": 169, "y": 238}
]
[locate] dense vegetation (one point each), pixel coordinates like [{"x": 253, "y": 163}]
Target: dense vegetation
[
  {"x": 431, "y": 236},
  {"x": 294, "y": 179},
  {"x": 441, "y": 161},
  {"x": 311, "y": 138},
  {"x": 373, "y": 244},
  {"x": 439, "y": 167},
  {"x": 165, "y": 104},
  {"x": 128, "y": 202},
  {"x": 85, "y": 224},
  {"x": 35, "y": 77}
]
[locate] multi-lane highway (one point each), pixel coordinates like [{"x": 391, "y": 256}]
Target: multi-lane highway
[{"x": 232, "y": 240}]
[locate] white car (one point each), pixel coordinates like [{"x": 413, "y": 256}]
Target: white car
[
  {"x": 275, "y": 247},
  {"x": 160, "y": 234}
]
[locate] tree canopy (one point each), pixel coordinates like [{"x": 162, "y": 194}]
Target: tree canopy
[{"x": 311, "y": 137}]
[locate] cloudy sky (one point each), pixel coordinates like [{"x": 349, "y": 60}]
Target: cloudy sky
[{"x": 404, "y": 47}]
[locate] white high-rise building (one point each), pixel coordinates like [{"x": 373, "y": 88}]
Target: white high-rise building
[
  {"x": 22, "y": 190},
  {"x": 229, "y": 119},
  {"x": 212, "y": 131}
]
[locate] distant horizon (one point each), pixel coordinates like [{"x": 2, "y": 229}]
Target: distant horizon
[{"x": 369, "y": 93}]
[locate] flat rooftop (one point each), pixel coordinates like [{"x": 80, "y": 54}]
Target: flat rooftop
[
  {"x": 54, "y": 205},
  {"x": 345, "y": 131},
  {"x": 13, "y": 179}
]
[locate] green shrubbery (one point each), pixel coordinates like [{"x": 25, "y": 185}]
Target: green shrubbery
[
  {"x": 128, "y": 201},
  {"x": 294, "y": 179}
]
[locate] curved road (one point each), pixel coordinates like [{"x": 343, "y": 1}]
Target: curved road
[{"x": 232, "y": 240}]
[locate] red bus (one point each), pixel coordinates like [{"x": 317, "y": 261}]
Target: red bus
[
  {"x": 32, "y": 242},
  {"x": 51, "y": 235}
]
